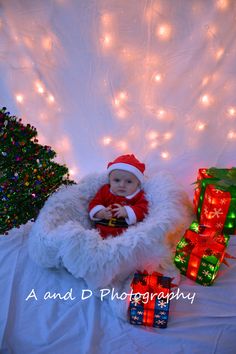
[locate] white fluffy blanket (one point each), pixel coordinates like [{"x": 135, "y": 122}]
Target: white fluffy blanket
[{"x": 63, "y": 235}]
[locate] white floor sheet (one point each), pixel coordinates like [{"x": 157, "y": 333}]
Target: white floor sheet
[{"x": 41, "y": 326}]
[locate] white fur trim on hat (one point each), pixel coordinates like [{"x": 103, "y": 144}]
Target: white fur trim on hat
[{"x": 126, "y": 167}]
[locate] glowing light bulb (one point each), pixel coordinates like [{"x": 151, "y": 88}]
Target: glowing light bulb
[
  {"x": 152, "y": 135},
  {"x": 47, "y": 43},
  {"x": 106, "y": 140},
  {"x": 116, "y": 102},
  {"x": 168, "y": 136},
  {"x": 231, "y": 135},
  {"x": 205, "y": 80},
  {"x": 164, "y": 31},
  {"x": 201, "y": 126},
  {"x": 161, "y": 113},
  {"x": 123, "y": 95},
  {"x": 41, "y": 90},
  {"x": 51, "y": 99},
  {"x": 39, "y": 87},
  {"x": 157, "y": 77},
  {"x": 231, "y": 111},
  {"x": 107, "y": 40},
  {"x": 222, "y": 4},
  {"x": 219, "y": 53},
  {"x": 73, "y": 171},
  {"x": 165, "y": 155},
  {"x": 153, "y": 144},
  {"x": 206, "y": 100},
  {"x": 19, "y": 98},
  {"x": 121, "y": 145}
]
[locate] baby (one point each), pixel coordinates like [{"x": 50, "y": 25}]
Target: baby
[{"x": 121, "y": 202}]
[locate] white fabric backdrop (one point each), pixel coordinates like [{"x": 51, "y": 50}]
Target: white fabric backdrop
[{"x": 99, "y": 78}]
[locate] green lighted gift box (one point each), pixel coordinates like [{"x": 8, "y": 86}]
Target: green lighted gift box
[
  {"x": 200, "y": 252},
  {"x": 215, "y": 199}
]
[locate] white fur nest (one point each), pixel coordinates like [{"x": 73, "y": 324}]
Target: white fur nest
[{"x": 63, "y": 236}]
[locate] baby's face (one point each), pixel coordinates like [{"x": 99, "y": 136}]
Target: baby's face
[{"x": 123, "y": 183}]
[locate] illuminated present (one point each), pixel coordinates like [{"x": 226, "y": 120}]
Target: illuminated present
[
  {"x": 200, "y": 252},
  {"x": 149, "y": 304},
  {"x": 215, "y": 199}
]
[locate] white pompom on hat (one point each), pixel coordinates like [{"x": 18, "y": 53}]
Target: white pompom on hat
[{"x": 128, "y": 163}]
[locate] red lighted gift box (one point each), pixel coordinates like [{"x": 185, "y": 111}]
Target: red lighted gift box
[
  {"x": 149, "y": 304},
  {"x": 215, "y": 200},
  {"x": 200, "y": 252}
]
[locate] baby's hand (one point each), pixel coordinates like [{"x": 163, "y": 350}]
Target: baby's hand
[
  {"x": 119, "y": 211},
  {"x": 104, "y": 214}
]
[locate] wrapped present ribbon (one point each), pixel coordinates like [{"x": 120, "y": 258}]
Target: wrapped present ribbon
[
  {"x": 144, "y": 281},
  {"x": 198, "y": 247},
  {"x": 219, "y": 209}
]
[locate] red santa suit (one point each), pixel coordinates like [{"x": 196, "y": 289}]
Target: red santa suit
[{"x": 136, "y": 207}]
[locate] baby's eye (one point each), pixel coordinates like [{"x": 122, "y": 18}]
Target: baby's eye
[
  {"x": 129, "y": 181},
  {"x": 116, "y": 180}
]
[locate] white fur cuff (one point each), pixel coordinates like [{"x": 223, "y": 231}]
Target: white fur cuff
[
  {"x": 94, "y": 211},
  {"x": 131, "y": 215}
]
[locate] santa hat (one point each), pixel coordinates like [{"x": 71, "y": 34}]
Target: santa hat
[{"x": 128, "y": 163}]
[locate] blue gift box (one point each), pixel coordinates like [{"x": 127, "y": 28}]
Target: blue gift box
[{"x": 149, "y": 305}]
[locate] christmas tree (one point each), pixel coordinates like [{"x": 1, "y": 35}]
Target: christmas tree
[{"x": 28, "y": 176}]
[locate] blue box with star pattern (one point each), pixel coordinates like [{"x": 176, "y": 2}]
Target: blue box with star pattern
[{"x": 149, "y": 303}]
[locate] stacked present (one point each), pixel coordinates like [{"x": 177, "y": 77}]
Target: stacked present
[
  {"x": 202, "y": 248},
  {"x": 200, "y": 253},
  {"x": 149, "y": 304},
  {"x": 215, "y": 199}
]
